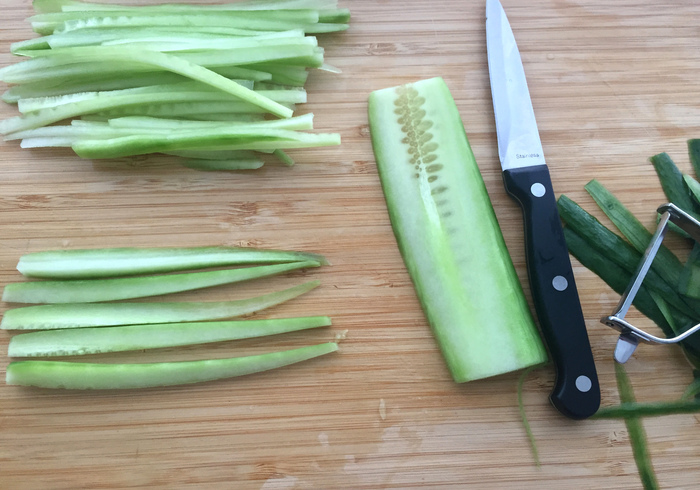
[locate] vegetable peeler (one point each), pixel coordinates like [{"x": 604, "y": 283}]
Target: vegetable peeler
[{"x": 630, "y": 336}]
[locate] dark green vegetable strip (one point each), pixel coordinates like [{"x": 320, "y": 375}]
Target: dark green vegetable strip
[
  {"x": 619, "y": 251},
  {"x": 693, "y": 187},
  {"x": 94, "y": 290},
  {"x": 614, "y": 276},
  {"x": 694, "y": 154},
  {"x": 693, "y": 390},
  {"x": 112, "y": 262},
  {"x": 76, "y": 315},
  {"x": 672, "y": 182},
  {"x": 689, "y": 280},
  {"x": 81, "y": 341},
  {"x": 618, "y": 278},
  {"x": 635, "y": 429},
  {"x": 93, "y": 376},
  {"x": 633, "y": 410},
  {"x": 666, "y": 264}
]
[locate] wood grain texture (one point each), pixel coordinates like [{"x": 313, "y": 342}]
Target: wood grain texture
[{"x": 612, "y": 84}]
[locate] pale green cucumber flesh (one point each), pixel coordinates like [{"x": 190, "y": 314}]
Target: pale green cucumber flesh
[
  {"x": 106, "y": 262},
  {"x": 209, "y": 165},
  {"x": 78, "y": 315},
  {"x": 88, "y": 376},
  {"x": 95, "y": 290},
  {"x": 82, "y": 341},
  {"x": 448, "y": 234}
]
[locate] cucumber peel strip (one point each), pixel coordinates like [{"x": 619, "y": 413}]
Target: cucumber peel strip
[
  {"x": 86, "y": 376},
  {"x": 77, "y": 315},
  {"x": 96, "y": 290},
  {"x": 97, "y": 340},
  {"x": 635, "y": 429},
  {"x": 112, "y": 262}
]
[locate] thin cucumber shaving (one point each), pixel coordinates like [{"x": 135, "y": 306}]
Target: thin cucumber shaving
[
  {"x": 77, "y": 315},
  {"x": 95, "y": 290},
  {"x": 83, "y": 341},
  {"x": 94, "y": 376},
  {"x": 448, "y": 234},
  {"x": 113, "y": 262}
]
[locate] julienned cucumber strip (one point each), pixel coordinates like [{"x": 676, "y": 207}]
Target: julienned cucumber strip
[
  {"x": 203, "y": 111},
  {"x": 87, "y": 376},
  {"x": 265, "y": 20},
  {"x": 114, "y": 262},
  {"x": 83, "y": 341},
  {"x": 48, "y": 6},
  {"x": 224, "y": 165},
  {"x": 105, "y": 82},
  {"x": 178, "y": 92},
  {"x": 171, "y": 63},
  {"x": 448, "y": 234},
  {"x": 77, "y": 315},
  {"x": 95, "y": 290},
  {"x": 297, "y": 123},
  {"x": 210, "y": 139}
]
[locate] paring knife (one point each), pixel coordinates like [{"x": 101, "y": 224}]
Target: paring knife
[{"x": 576, "y": 392}]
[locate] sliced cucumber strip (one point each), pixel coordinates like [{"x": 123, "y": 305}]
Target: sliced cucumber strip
[
  {"x": 96, "y": 290},
  {"x": 448, "y": 234},
  {"x": 83, "y": 341},
  {"x": 89, "y": 376},
  {"x": 113, "y": 262},
  {"x": 77, "y": 315}
]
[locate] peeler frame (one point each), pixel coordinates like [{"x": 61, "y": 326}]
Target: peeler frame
[{"x": 630, "y": 336}]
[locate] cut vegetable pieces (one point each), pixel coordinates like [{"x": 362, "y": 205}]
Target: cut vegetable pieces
[
  {"x": 665, "y": 263},
  {"x": 86, "y": 376},
  {"x": 448, "y": 234},
  {"x": 112, "y": 262},
  {"x": 230, "y": 138},
  {"x": 106, "y": 61},
  {"x": 82, "y": 341},
  {"x": 226, "y": 165},
  {"x": 96, "y": 290},
  {"x": 77, "y": 315},
  {"x": 617, "y": 250},
  {"x": 168, "y": 62}
]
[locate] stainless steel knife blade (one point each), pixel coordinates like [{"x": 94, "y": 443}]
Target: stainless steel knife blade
[{"x": 576, "y": 393}]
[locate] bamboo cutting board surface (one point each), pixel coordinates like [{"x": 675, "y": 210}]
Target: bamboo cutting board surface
[{"x": 612, "y": 84}]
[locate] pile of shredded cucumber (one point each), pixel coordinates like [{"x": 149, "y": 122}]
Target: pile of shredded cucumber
[
  {"x": 76, "y": 310},
  {"x": 214, "y": 86}
]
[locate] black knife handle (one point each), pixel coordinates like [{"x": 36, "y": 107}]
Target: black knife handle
[{"x": 576, "y": 391}]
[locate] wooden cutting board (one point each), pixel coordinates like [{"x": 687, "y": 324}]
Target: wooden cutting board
[{"x": 612, "y": 84}]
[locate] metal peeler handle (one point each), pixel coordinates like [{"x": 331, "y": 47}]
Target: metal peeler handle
[{"x": 630, "y": 336}]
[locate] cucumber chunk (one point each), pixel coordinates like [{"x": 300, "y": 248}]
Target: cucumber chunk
[{"x": 448, "y": 234}]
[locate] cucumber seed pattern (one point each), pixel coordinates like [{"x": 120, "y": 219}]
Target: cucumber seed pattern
[{"x": 421, "y": 148}]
